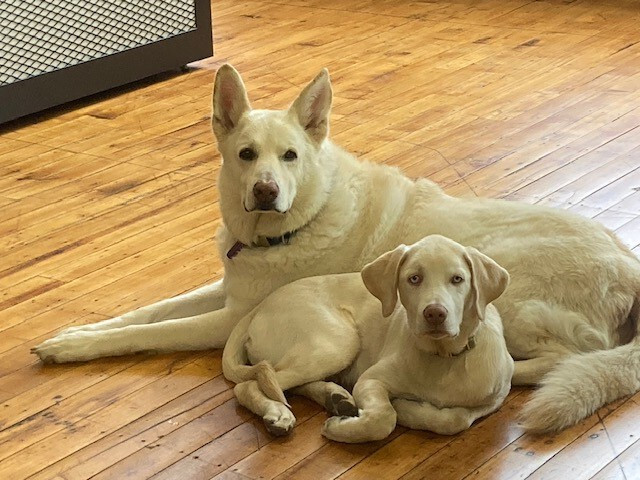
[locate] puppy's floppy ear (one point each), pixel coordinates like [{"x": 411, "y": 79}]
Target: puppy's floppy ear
[
  {"x": 381, "y": 278},
  {"x": 313, "y": 105},
  {"x": 230, "y": 100},
  {"x": 488, "y": 280}
]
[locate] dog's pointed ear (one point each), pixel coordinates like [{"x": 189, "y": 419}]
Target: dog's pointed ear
[
  {"x": 230, "y": 100},
  {"x": 381, "y": 278},
  {"x": 488, "y": 280},
  {"x": 313, "y": 105}
]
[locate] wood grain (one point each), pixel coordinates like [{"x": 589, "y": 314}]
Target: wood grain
[{"x": 110, "y": 203}]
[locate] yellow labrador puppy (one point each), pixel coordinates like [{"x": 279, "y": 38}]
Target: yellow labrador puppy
[{"x": 437, "y": 361}]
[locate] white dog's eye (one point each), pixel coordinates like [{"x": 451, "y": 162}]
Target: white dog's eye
[
  {"x": 415, "y": 279},
  {"x": 290, "y": 155},
  {"x": 247, "y": 154},
  {"x": 457, "y": 279}
]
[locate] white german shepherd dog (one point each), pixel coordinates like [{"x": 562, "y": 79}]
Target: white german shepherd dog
[{"x": 296, "y": 205}]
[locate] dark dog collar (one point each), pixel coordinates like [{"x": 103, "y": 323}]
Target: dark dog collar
[
  {"x": 286, "y": 239},
  {"x": 262, "y": 242}
]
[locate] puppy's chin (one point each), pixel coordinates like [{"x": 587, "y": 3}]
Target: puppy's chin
[
  {"x": 438, "y": 335},
  {"x": 442, "y": 334}
]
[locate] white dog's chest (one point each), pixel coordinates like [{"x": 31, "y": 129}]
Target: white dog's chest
[{"x": 254, "y": 273}]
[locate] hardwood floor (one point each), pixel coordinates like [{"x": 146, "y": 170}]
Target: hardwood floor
[{"x": 110, "y": 204}]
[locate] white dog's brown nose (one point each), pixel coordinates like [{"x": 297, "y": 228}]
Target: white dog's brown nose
[
  {"x": 435, "y": 314},
  {"x": 266, "y": 194}
]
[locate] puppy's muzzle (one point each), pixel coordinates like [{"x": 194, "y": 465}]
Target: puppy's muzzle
[
  {"x": 266, "y": 194},
  {"x": 435, "y": 315}
]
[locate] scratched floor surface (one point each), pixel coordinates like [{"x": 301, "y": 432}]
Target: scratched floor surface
[{"x": 110, "y": 204}]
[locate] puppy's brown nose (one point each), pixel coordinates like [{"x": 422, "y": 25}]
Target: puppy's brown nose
[
  {"x": 435, "y": 314},
  {"x": 266, "y": 194}
]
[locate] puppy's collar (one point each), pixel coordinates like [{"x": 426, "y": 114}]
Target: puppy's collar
[
  {"x": 471, "y": 344},
  {"x": 262, "y": 242}
]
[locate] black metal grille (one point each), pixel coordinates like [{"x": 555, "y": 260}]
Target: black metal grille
[{"x": 40, "y": 36}]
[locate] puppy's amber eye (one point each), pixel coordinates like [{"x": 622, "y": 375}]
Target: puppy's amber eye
[
  {"x": 457, "y": 279},
  {"x": 415, "y": 279},
  {"x": 247, "y": 154},
  {"x": 290, "y": 155}
]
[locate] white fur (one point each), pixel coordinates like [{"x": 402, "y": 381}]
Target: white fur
[
  {"x": 573, "y": 283},
  {"x": 327, "y": 326}
]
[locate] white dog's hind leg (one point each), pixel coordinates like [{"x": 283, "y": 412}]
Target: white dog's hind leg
[
  {"x": 205, "y": 299},
  {"x": 535, "y": 328},
  {"x": 331, "y": 396},
  {"x": 541, "y": 335},
  {"x": 276, "y": 416},
  {"x": 530, "y": 372},
  {"x": 200, "y": 332},
  {"x": 443, "y": 421}
]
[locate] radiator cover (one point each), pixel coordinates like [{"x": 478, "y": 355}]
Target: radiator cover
[{"x": 59, "y": 50}]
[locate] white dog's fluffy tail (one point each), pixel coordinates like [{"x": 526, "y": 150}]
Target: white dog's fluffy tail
[
  {"x": 582, "y": 383},
  {"x": 235, "y": 368}
]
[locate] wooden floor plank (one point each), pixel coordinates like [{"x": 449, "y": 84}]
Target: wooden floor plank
[
  {"x": 33, "y": 426},
  {"x": 205, "y": 436},
  {"x": 523, "y": 457},
  {"x": 111, "y": 203},
  {"x": 332, "y": 459},
  {"x": 625, "y": 466},
  {"x": 602, "y": 443},
  {"x": 141, "y": 433},
  {"x": 278, "y": 456},
  {"x": 472, "y": 448}
]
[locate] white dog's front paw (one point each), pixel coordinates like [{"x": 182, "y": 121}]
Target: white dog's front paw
[
  {"x": 77, "y": 328},
  {"x": 109, "y": 324},
  {"x": 71, "y": 347},
  {"x": 279, "y": 420}
]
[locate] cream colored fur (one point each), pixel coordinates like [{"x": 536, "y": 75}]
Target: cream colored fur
[
  {"x": 330, "y": 326},
  {"x": 573, "y": 283}
]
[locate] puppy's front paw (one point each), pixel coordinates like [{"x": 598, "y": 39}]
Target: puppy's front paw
[
  {"x": 341, "y": 429},
  {"x": 341, "y": 404},
  {"x": 71, "y": 347}
]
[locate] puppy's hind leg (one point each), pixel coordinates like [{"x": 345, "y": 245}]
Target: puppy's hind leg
[
  {"x": 278, "y": 419},
  {"x": 332, "y": 396},
  {"x": 304, "y": 374},
  {"x": 303, "y": 380}
]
